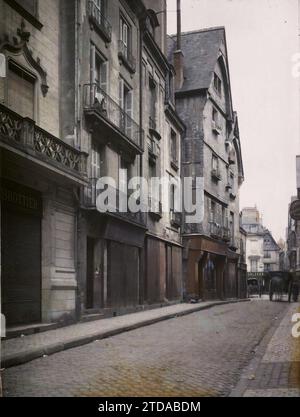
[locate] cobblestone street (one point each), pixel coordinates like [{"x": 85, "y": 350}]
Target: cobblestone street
[{"x": 202, "y": 354}]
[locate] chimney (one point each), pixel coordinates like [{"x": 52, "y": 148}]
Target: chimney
[{"x": 178, "y": 55}]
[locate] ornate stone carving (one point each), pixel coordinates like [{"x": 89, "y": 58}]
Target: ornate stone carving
[{"x": 16, "y": 46}]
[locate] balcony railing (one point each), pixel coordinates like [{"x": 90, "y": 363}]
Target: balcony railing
[
  {"x": 126, "y": 56},
  {"x": 99, "y": 21},
  {"x": 175, "y": 218},
  {"x": 98, "y": 100},
  {"x": 89, "y": 201},
  {"x": 24, "y": 134}
]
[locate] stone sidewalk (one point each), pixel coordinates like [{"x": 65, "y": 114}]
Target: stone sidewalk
[
  {"x": 27, "y": 348},
  {"x": 275, "y": 369}
]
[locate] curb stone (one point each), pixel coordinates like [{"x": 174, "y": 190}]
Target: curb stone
[{"x": 30, "y": 355}]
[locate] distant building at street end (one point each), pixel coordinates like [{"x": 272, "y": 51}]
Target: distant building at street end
[
  {"x": 262, "y": 251},
  {"x": 293, "y": 229}
]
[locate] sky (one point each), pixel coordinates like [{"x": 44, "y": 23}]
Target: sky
[{"x": 262, "y": 41}]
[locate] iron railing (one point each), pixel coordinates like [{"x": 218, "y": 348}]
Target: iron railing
[
  {"x": 23, "y": 132},
  {"x": 89, "y": 201},
  {"x": 98, "y": 100},
  {"x": 99, "y": 20},
  {"x": 126, "y": 56}
]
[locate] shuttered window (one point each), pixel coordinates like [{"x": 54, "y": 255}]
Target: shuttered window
[{"x": 20, "y": 91}]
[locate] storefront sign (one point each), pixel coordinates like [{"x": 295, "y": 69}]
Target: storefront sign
[{"x": 17, "y": 196}]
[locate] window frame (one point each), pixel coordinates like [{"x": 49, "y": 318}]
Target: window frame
[{"x": 31, "y": 76}]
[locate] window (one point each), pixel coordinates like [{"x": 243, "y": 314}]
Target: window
[
  {"x": 153, "y": 101},
  {"x": 267, "y": 254},
  {"x": 254, "y": 265},
  {"x": 95, "y": 162},
  {"x": 173, "y": 146},
  {"x": 101, "y": 73},
  {"x": 100, "y": 4},
  {"x": 215, "y": 163},
  {"x": 267, "y": 267},
  {"x": 172, "y": 198},
  {"x": 215, "y": 115},
  {"x": 126, "y": 104},
  {"x": 231, "y": 182},
  {"x": 217, "y": 84},
  {"x": 125, "y": 36},
  {"x": 21, "y": 91},
  {"x": 213, "y": 211},
  {"x": 231, "y": 225}
]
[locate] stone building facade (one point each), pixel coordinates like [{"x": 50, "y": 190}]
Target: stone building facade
[
  {"x": 211, "y": 151},
  {"x": 262, "y": 251},
  {"x": 90, "y": 91},
  {"x": 42, "y": 169},
  {"x": 86, "y": 95}
]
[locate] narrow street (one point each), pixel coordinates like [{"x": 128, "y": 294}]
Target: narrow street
[{"x": 208, "y": 353}]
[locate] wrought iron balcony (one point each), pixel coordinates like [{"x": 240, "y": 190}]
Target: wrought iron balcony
[
  {"x": 215, "y": 229},
  {"x": 175, "y": 218},
  {"x": 89, "y": 201},
  {"x": 97, "y": 103},
  {"x": 25, "y": 135},
  {"x": 99, "y": 21},
  {"x": 126, "y": 57}
]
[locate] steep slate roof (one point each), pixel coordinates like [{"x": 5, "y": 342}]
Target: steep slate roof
[{"x": 201, "y": 50}]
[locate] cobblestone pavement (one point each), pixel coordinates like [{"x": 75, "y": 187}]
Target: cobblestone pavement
[
  {"x": 202, "y": 354},
  {"x": 275, "y": 372}
]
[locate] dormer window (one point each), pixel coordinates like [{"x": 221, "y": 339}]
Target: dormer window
[{"x": 217, "y": 84}]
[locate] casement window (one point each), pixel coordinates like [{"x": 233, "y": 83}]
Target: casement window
[
  {"x": 213, "y": 211},
  {"x": 99, "y": 70},
  {"x": 172, "y": 198},
  {"x": 100, "y": 5},
  {"x": 231, "y": 181},
  {"x": 152, "y": 98},
  {"x": 217, "y": 84},
  {"x": 21, "y": 91},
  {"x": 95, "y": 162},
  {"x": 125, "y": 36},
  {"x": 173, "y": 146},
  {"x": 215, "y": 115},
  {"x": 215, "y": 163},
  {"x": 125, "y": 175},
  {"x": 126, "y": 104},
  {"x": 254, "y": 265},
  {"x": 231, "y": 224}
]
